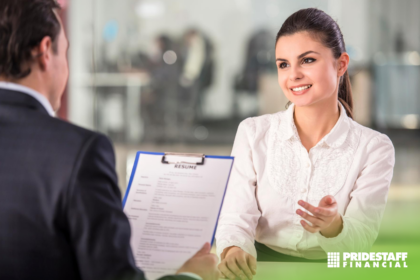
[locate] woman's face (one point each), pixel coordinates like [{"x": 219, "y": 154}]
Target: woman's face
[{"x": 307, "y": 70}]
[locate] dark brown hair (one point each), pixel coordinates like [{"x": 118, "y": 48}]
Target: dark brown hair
[
  {"x": 23, "y": 25},
  {"x": 323, "y": 28}
]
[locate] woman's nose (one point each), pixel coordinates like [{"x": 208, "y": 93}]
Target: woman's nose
[{"x": 295, "y": 73}]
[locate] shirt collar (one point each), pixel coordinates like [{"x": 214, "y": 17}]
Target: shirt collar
[
  {"x": 287, "y": 126},
  {"x": 334, "y": 138},
  {"x": 39, "y": 97}
]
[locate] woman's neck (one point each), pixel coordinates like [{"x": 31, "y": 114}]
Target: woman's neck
[{"x": 316, "y": 121}]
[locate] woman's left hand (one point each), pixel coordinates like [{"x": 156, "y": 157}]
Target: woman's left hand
[{"x": 325, "y": 219}]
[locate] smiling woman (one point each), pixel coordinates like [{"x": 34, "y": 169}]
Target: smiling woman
[
  {"x": 314, "y": 49},
  {"x": 309, "y": 180}
]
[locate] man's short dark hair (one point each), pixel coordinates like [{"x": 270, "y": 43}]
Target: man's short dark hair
[{"x": 23, "y": 25}]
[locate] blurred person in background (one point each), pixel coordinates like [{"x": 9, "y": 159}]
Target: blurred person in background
[
  {"x": 196, "y": 76},
  {"x": 309, "y": 180},
  {"x": 258, "y": 61},
  {"x": 60, "y": 205},
  {"x": 159, "y": 98}
]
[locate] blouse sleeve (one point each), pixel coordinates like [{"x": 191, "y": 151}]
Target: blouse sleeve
[
  {"x": 368, "y": 198},
  {"x": 240, "y": 213}
]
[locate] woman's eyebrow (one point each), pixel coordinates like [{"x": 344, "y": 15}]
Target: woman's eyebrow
[
  {"x": 305, "y": 53},
  {"x": 300, "y": 56}
]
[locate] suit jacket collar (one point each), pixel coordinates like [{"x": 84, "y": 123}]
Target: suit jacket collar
[{"x": 20, "y": 99}]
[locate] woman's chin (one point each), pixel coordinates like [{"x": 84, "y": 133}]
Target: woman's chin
[{"x": 300, "y": 102}]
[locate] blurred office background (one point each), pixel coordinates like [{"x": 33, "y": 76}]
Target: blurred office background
[{"x": 179, "y": 76}]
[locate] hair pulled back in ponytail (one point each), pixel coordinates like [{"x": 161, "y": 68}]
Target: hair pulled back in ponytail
[{"x": 323, "y": 28}]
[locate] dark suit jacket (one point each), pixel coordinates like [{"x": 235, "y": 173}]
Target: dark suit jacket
[{"x": 60, "y": 206}]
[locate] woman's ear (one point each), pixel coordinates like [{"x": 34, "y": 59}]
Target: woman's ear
[{"x": 343, "y": 63}]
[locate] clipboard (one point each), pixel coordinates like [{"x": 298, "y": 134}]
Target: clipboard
[
  {"x": 164, "y": 155},
  {"x": 169, "y": 196}
]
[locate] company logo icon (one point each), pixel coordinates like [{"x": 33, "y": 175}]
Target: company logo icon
[
  {"x": 368, "y": 260},
  {"x": 333, "y": 259}
]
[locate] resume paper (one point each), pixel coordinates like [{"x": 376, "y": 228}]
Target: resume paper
[{"x": 173, "y": 208}]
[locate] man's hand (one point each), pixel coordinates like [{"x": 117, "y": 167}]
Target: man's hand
[
  {"x": 325, "y": 219},
  {"x": 238, "y": 264},
  {"x": 203, "y": 264}
]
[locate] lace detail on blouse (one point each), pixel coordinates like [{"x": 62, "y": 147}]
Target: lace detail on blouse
[
  {"x": 283, "y": 162},
  {"x": 329, "y": 167}
]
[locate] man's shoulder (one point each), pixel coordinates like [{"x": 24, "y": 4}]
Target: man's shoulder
[
  {"x": 67, "y": 129},
  {"x": 68, "y": 137}
]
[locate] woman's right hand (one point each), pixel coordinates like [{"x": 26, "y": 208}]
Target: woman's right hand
[{"x": 237, "y": 264}]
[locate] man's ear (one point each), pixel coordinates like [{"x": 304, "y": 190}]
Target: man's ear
[
  {"x": 343, "y": 63},
  {"x": 42, "y": 53}
]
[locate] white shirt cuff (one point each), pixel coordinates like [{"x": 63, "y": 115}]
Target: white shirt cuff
[
  {"x": 192, "y": 275},
  {"x": 247, "y": 246},
  {"x": 334, "y": 240}
]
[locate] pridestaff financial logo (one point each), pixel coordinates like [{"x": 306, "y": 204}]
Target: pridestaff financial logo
[{"x": 368, "y": 260}]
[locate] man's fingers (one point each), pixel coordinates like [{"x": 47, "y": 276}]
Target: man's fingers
[
  {"x": 243, "y": 264},
  {"x": 212, "y": 259},
  {"x": 204, "y": 250},
  {"x": 309, "y": 228},
  {"x": 225, "y": 271},
  {"x": 252, "y": 263},
  {"x": 233, "y": 266}
]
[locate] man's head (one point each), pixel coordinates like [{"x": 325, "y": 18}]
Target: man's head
[{"x": 33, "y": 47}]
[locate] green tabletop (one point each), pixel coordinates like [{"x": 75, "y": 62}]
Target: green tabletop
[{"x": 314, "y": 271}]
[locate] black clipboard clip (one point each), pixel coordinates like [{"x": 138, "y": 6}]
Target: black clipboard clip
[{"x": 199, "y": 156}]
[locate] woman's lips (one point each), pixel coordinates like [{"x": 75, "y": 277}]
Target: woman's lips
[{"x": 301, "y": 91}]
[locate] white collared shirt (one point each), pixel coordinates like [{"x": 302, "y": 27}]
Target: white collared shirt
[
  {"x": 39, "y": 97},
  {"x": 272, "y": 171}
]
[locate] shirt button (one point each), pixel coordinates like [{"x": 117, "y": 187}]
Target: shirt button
[
  {"x": 308, "y": 164},
  {"x": 299, "y": 235},
  {"x": 303, "y": 190}
]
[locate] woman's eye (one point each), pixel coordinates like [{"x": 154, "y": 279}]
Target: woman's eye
[
  {"x": 308, "y": 60},
  {"x": 282, "y": 65}
]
